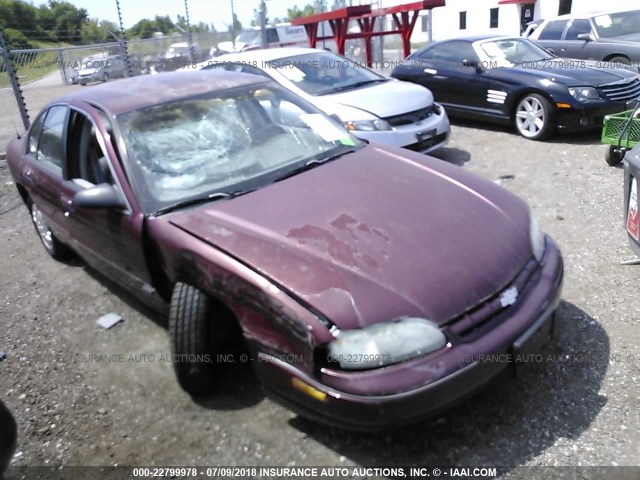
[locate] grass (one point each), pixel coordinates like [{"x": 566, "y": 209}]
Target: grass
[{"x": 33, "y": 66}]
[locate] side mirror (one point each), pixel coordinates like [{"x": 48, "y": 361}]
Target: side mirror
[
  {"x": 586, "y": 37},
  {"x": 103, "y": 196},
  {"x": 474, "y": 64}
]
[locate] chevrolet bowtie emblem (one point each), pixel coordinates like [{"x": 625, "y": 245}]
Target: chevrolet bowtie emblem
[{"x": 509, "y": 297}]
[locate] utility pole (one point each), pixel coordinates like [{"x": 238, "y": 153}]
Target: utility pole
[
  {"x": 262, "y": 12},
  {"x": 233, "y": 26}
]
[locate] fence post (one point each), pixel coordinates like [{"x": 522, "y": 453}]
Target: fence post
[
  {"x": 15, "y": 84},
  {"x": 63, "y": 69},
  {"x": 123, "y": 43},
  {"x": 189, "y": 36}
]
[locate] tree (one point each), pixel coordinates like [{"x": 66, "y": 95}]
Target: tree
[
  {"x": 295, "y": 12},
  {"x": 95, "y": 31},
  {"x": 62, "y": 20},
  {"x": 145, "y": 28},
  {"x": 16, "y": 39}
]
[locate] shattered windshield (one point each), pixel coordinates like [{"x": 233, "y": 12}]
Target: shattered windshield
[{"x": 238, "y": 139}]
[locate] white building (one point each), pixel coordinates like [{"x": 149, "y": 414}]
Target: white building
[{"x": 502, "y": 17}]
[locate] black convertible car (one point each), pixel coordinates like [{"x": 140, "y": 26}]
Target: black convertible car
[{"x": 514, "y": 81}]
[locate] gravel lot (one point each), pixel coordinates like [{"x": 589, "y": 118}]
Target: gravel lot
[{"x": 579, "y": 407}]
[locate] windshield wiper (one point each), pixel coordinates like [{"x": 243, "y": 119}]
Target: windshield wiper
[
  {"x": 195, "y": 201},
  {"x": 314, "y": 162},
  {"x": 354, "y": 85}
]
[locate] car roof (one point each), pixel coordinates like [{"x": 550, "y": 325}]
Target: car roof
[
  {"x": 596, "y": 13},
  {"x": 472, "y": 39},
  {"x": 143, "y": 91}
]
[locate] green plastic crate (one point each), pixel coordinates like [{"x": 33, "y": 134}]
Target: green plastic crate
[{"x": 614, "y": 126}]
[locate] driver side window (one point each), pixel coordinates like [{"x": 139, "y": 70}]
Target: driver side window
[
  {"x": 456, "y": 51},
  {"x": 88, "y": 162},
  {"x": 577, "y": 27}
]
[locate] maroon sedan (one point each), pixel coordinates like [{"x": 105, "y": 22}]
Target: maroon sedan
[{"x": 373, "y": 286}]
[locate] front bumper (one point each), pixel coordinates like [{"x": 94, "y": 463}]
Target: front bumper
[
  {"x": 93, "y": 77},
  {"x": 424, "y": 136},
  {"x": 462, "y": 373},
  {"x": 586, "y": 116}
]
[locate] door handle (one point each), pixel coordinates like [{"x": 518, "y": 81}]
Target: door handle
[
  {"x": 27, "y": 176},
  {"x": 430, "y": 71},
  {"x": 67, "y": 205},
  {"x": 563, "y": 49}
]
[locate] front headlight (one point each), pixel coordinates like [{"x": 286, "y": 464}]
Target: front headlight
[
  {"x": 584, "y": 94},
  {"x": 538, "y": 240},
  {"x": 385, "y": 343},
  {"x": 367, "y": 125}
]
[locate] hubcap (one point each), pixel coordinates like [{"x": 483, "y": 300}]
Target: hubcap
[
  {"x": 530, "y": 117},
  {"x": 43, "y": 229}
]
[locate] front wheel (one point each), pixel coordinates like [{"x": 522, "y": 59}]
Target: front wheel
[
  {"x": 54, "y": 247},
  {"x": 614, "y": 155},
  {"x": 535, "y": 118},
  {"x": 198, "y": 329}
]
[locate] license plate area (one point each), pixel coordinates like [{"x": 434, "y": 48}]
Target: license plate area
[
  {"x": 427, "y": 135},
  {"x": 531, "y": 342}
]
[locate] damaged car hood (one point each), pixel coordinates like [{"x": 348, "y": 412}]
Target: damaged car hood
[{"x": 373, "y": 236}]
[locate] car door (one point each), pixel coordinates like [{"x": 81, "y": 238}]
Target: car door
[
  {"x": 550, "y": 36},
  {"x": 572, "y": 47},
  {"x": 464, "y": 81},
  {"x": 43, "y": 167},
  {"x": 442, "y": 70},
  {"x": 109, "y": 239}
]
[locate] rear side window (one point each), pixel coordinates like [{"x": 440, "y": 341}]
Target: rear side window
[
  {"x": 553, "y": 30},
  {"x": 576, "y": 28},
  {"x": 34, "y": 134},
  {"x": 50, "y": 148}
]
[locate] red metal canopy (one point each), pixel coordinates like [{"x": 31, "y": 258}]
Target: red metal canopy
[
  {"x": 509, "y": 2},
  {"x": 404, "y": 19}
]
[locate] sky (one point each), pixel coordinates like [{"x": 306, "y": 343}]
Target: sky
[{"x": 217, "y": 12}]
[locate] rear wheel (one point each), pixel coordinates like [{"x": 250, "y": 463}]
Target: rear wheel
[
  {"x": 198, "y": 328},
  {"x": 620, "y": 59},
  {"x": 534, "y": 118},
  {"x": 614, "y": 155},
  {"x": 54, "y": 247}
]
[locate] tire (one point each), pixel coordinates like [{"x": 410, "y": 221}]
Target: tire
[
  {"x": 196, "y": 332},
  {"x": 534, "y": 117},
  {"x": 54, "y": 247},
  {"x": 613, "y": 157},
  {"x": 620, "y": 59},
  {"x": 8, "y": 438}
]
